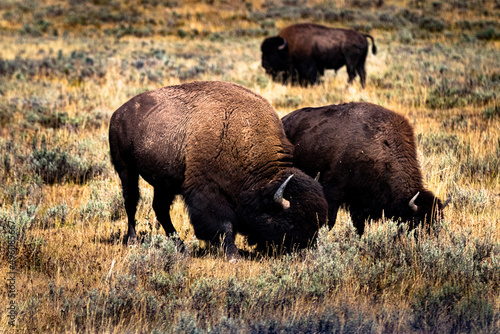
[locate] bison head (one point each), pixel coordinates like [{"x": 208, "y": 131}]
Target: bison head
[
  {"x": 276, "y": 59},
  {"x": 286, "y": 213},
  {"x": 426, "y": 207}
]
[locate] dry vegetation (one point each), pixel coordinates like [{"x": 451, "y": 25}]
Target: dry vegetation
[{"x": 65, "y": 66}]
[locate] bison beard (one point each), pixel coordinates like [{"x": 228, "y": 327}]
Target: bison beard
[
  {"x": 302, "y": 52},
  {"x": 223, "y": 148},
  {"x": 367, "y": 160}
]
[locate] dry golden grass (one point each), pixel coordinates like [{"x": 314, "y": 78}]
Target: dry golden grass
[{"x": 73, "y": 270}]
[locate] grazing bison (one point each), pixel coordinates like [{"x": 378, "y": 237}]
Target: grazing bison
[
  {"x": 302, "y": 52},
  {"x": 367, "y": 160},
  {"x": 223, "y": 148}
]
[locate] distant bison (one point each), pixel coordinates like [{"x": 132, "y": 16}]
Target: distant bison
[
  {"x": 367, "y": 160},
  {"x": 223, "y": 148},
  {"x": 302, "y": 52}
]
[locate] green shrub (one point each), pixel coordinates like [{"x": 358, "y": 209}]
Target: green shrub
[
  {"x": 57, "y": 165},
  {"x": 116, "y": 206},
  {"x": 431, "y": 24},
  {"x": 287, "y": 101},
  {"x": 26, "y": 191},
  {"x": 116, "y": 306},
  {"x": 460, "y": 122},
  {"x": 405, "y": 36},
  {"x": 14, "y": 223},
  {"x": 448, "y": 309},
  {"x": 75, "y": 67},
  {"x": 7, "y": 111},
  {"x": 445, "y": 97},
  {"x": 54, "y": 216},
  {"x": 489, "y": 34},
  {"x": 492, "y": 112},
  {"x": 439, "y": 143},
  {"x": 334, "y": 255},
  {"x": 481, "y": 168},
  {"x": 156, "y": 254},
  {"x": 348, "y": 319},
  {"x": 431, "y": 307},
  {"x": 94, "y": 209},
  {"x": 168, "y": 284}
]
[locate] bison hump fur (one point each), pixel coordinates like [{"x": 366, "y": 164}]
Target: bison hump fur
[{"x": 223, "y": 148}]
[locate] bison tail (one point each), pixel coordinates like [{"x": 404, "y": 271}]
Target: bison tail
[{"x": 374, "y": 47}]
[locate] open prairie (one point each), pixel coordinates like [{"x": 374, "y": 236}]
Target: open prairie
[{"x": 65, "y": 66}]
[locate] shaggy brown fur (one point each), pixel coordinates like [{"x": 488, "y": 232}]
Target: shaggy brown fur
[
  {"x": 367, "y": 159},
  {"x": 223, "y": 148},
  {"x": 302, "y": 52}
]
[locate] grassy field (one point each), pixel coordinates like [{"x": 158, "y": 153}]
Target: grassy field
[{"x": 65, "y": 66}]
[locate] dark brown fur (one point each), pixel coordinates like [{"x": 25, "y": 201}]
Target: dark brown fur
[
  {"x": 367, "y": 159},
  {"x": 223, "y": 148},
  {"x": 302, "y": 52}
]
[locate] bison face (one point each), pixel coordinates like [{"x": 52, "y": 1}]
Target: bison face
[
  {"x": 275, "y": 57},
  {"x": 426, "y": 208},
  {"x": 288, "y": 218}
]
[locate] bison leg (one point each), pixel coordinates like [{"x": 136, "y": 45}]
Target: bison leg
[
  {"x": 130, "y": 188},
  {"x": 351, "y": 72},
  {"x": 333, "y": 208},
  {"x": 308, "y": 73},
  {"x": 359, "y": 223},
  {"x": 360, "y": 69},
  {"x": 334, "y": 198},
  {"x": 213, "y": 219},
  {"x": 161, "y": 204},
  {"x": 362, "y": 74}
]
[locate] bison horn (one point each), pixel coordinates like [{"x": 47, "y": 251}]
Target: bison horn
[
  {"x": 278, "y": 196},
  {"x": 282, "y": 46},
  {"x": 412, "y": 202},
  {"x": 317, "y": 176}
]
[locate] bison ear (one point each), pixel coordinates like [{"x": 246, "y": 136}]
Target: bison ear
[
  {"x": 282, "y": 46},
  {"x": 278, "y": 196},
  {"x": 412, "y": 204}
]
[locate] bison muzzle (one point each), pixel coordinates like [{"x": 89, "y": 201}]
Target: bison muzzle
[{"x": 223, "y": 148}]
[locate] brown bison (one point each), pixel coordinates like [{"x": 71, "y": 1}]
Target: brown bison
[
  {"x": 367, "y": 160},
  {"x": 302, "y": 52},
  {"x": 223, "y": 148}
]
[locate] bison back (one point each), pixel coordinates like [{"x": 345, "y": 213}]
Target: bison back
[
  {"x": 203, "y": 129},
  {"x": 331, "y": 45}
]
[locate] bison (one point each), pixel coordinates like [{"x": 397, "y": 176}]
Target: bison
[
  {"x": 366, "y": 159},
  {"x": 302, "y": 52},
  {"x": 223, "y": 148}
]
